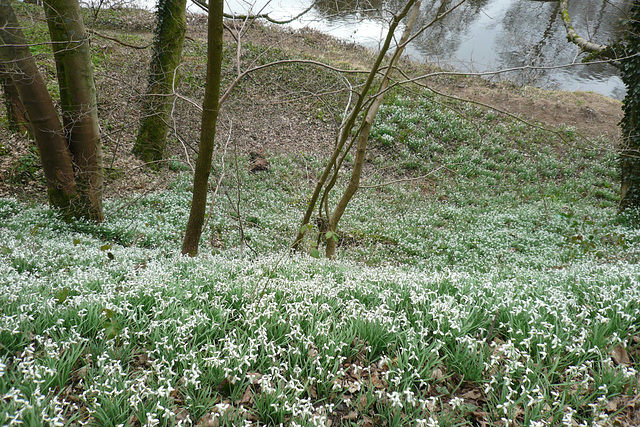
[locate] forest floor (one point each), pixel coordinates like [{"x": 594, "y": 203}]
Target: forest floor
[
  {"x": 277, "y": 110},
  {"x": 498, "y": 286}
]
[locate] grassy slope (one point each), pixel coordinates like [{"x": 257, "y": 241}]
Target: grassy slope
[{"x": 493, "y": 292}]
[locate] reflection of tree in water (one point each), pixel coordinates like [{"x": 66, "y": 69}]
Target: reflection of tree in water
[
  {"x": 486, "y": 35},
  {"x": 533, "y": 34},
  {"x": 538, "y": 43},
  {"x": 443, "y": 39},
  {"x": 522, "y": 32},
  {"x": 342, "y": 8}
]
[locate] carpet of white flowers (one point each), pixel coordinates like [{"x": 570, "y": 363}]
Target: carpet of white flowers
[{"x": 514, "y": 306}]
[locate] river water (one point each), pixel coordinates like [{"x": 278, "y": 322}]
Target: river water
[{"x": 478, "y": 36}]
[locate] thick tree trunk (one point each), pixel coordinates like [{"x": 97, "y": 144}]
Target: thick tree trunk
[
  {"x": 78, "y": 99},
  {"x": 630, "y": 150},
  {"x": 171, "y": 27},
  {"x": 14, "y": 108},
  {"x": 47, "y": 131},
  {"x": 208, "y": 129}
]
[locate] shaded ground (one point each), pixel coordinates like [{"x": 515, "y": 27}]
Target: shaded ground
[{"x": 279, "y": 109}]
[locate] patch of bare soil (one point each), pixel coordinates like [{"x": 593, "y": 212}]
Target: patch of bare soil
[
  {"x": 284, "y": 109},
  {"x": 591, "y": 114}
]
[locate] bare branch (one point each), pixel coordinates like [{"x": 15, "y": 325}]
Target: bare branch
[
  {"x": 396, "y": 181},
  {"x": 113, "y": 39},
  {"x": 603, "y": 51},
  {"x": 220, "y": 178},
  {"x": 237, "y": 80},
  {"x": 204, "y": 6}
]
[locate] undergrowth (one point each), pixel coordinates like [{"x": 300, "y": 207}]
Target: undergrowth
[
  {"x": 495, "y": 286},
  {"x": 501, "y": 290}
]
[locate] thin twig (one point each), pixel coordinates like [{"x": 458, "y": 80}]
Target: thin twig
[
  {"x": 417, "y": 178},
  {"x": 222, "y": 173},
  {"x": 113, "y": 39}
]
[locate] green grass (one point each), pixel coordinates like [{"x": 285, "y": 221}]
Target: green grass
[{"x": 498, "y": 294}]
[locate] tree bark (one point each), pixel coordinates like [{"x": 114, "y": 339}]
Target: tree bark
[
  {"x": 629, "y": 63},
  {"x": 630, "y": 150},
  {"x": 47, "y": 131},
  {"x": 603, "y": 51},
  {"x": 170, "y": 30},
  {"x": 78, "y": 100},
  {"x": 348, "y": 125},
  {"x": 210, "y": 111},
  {"x": 14, "y": 108}
]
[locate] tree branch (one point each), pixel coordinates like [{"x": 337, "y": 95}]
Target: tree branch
[
  {"x": 113, "y": 39},
  {"x": 600, "y": 50},
  {"x": 202, "y": 4}
]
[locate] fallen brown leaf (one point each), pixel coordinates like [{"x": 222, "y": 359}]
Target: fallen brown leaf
[
  {"x": 312, "y": 391},
  {"x": 351, "y": 416},
  {"x": 247, "y": 397},
  {"x": 353, "y": 387},
  {"x": 481, "y": 418},
  {"x": 473, "y": 394},
  {"x": 620, "y": 356},
  {"x": 209, "y": 420},
  {"x": 376, "y": 381},
  {"x": 437, "y": 374},
  {"x": 254, "y": 377},
  {"x": 181, "y": 414},
  {"x": 361, "y": 404}
]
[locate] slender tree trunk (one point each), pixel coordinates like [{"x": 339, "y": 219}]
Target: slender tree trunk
[
  {"x": 630, "y": 150},
  {"x": 78, "y": 101},
  {"x": 208, "y": 129},
  {"x": 171, "y": 27},
  {"x": 365, "y": 130},
  {"x": 348, "y": 125},
  {"x": 47, "y": 131},
  {"x": 356, "y": 173}
]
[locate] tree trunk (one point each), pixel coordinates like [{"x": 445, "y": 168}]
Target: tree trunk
[
  {"x": 171, "y": 27},
  {"x": 208, "y": 129},
  {"x": 629, "y": 65},
  {"x": 47, "y": 131},
  {"x": 13, "y": 106},
  {"x": 365, "y": 128},
  {"x": 346, "y": 129},
  {"x": 630, "y": 150},
  {"x": 78, "y": 100}
]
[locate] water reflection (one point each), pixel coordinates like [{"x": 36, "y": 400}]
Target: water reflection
[
  {"x": 484, "y": 35},
  {"x": 479, "y": 36}
]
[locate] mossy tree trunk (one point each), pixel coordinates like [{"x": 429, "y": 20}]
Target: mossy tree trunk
[
  {"x": 630, "y": 150},
  {"x": 170, "y": 30},
  {"x": 47, "y": 130},
  {"x": 78, "y": 101},
  {"x": 210, "y": 111}
]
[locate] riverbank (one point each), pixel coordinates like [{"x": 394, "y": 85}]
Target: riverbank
[{"x": 280, "y": 109}]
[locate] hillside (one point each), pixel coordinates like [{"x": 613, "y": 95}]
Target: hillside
[
  {"x": 286, "y": 117},
  {"x": 483, "y": 276}
]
